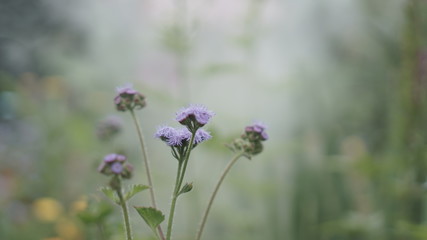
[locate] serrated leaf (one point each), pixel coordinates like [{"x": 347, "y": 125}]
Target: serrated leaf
[
  {"x": 134, "y": 189},
  {"x": 110, "y": 194},
  {"x": 151, "y": 216}
]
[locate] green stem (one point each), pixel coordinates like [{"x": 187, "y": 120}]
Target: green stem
[
  {"x": 147, "y": 167},
  {"x": 125, "y": 214},
  {"x": 178, "y": 182},
  {"x": 224, "y": 173},
  {"x": 174, "y": 198},
  {"x": 187, "y": 156}
]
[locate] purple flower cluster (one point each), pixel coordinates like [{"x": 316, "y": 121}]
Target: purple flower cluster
[
  {"x": 179, "y": 139},
  {"x": 116, "y": 164},
  {"x": 250, "y": 141},
  {"x": 128, "y": 99},
  {"x": 256, "y": 131},
  {"x": 194, "y": 116},
  {"x": 180, "y": 136}
]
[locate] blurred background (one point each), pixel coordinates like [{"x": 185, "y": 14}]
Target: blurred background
[{"x": 341, "y": 85}]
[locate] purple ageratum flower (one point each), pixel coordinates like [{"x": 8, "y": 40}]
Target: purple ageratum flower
[
  {"x": 126, "y": 89},
  {"x": 256, "y": 127},
  {"x": 201, "y": 136},
  {"x": 164, "y": 132},
  {"x": 116, "y": 168},
  {"x": 115, "y": 164},
  {"x": 264, "y": 136},
  {"x": 259, "y": 127},
  {"x": 173, "y": 137},
  {"x": 250, "y": 143},
  {"x": 110, "y": 158},
  {"x": 194, "y": 115},
  {"x": 256, "y": 131},
  {"x": 121, "y": 158},
  {"x": 180, "y": 137},
  {"x": 128, "y": 98}
]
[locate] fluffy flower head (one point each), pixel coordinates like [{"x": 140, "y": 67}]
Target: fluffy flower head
[
  {"x": 164, "y": 132},
  {"x": 181, "y": 136},
  {"x": 201, "y": 136},
  {"x": 194, "y": 116},
  {"x": 173, "y": 137}
]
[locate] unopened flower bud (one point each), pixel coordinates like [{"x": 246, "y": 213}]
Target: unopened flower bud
[{"x": 187, "y": 187}]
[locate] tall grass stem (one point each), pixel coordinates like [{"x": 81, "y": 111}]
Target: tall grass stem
[
  {"x": 208, "y": 208},
  {"x": 147, "y": 167}
]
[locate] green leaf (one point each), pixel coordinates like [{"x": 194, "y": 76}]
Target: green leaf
[
  {"x": 151, "y": 216},
  {"x": 110, "y": 194},
  {"x": 134, "y": 189}
]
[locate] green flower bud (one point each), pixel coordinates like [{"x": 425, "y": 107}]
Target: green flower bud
[{"x": 187, "y": 187}]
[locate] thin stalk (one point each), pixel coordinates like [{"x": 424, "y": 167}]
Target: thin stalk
[
  {"x": 178, "y": 182},
  {"x": 174, "y": 198},
  {"x": 125, "y": 214},
  {"x": 224, "y": 173},
  {"x": 187, "y": 156},
  {"x": 147, "y": 167}
]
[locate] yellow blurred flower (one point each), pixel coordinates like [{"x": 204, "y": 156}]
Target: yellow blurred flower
[
  {"x": 79, "y": 205},
  {"x": 67, "y": 229},
  {"x": 47, "y": 209}
]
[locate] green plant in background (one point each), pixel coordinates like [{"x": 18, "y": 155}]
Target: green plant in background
[
  {"x": 96, "y": 213},
  {"x": 361, "y": 165},
  {"x": 181, "y": 141}
]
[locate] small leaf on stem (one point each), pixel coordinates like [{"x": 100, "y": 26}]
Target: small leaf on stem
[
  {"x": 134, "y": 189},
  {"x": 151, "y": 216},
  {"x": 111, "y": 194}
]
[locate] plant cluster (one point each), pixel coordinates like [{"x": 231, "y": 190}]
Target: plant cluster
[{"x": 182, "y": 141}]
